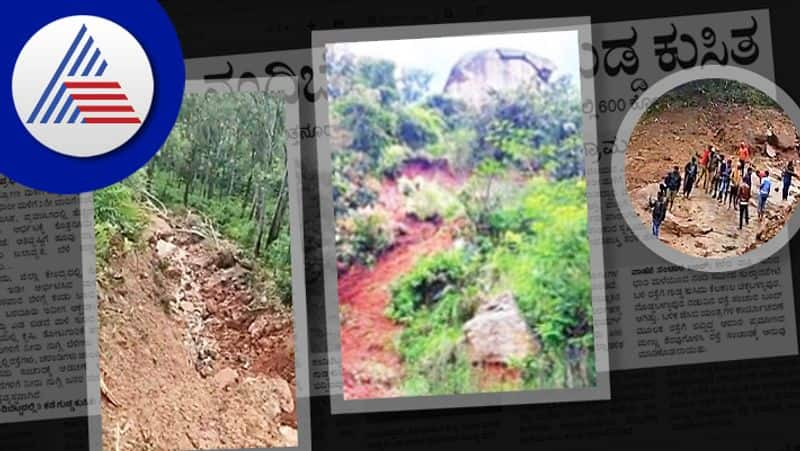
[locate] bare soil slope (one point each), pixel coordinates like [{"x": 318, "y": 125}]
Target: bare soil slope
[
  {"x": 371, "y": 366},
  {"x": 187, "y": 361}
]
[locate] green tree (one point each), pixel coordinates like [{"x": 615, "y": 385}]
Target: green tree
[{"x": 414, "y": 84}]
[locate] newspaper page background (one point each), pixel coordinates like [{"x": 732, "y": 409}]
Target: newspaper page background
[
  {"x": 742, "y": 404},
  {"x": 650, "y": 407},
  {"x": 48, "y": 347},
  {"x": 659, "y": 313}
]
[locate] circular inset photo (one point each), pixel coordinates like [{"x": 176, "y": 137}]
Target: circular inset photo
[{"x": 711, "y": 169}]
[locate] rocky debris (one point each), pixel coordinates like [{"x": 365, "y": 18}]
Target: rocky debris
[
  {"x": 225, "y": 259},
  {"x": 477, "y": 74},
  {"x": 289, "y": 434},
  {"x": 679, "y": 228},
  {"x": 225, "y": 378},
  {"x": 283, "y": 392},
  {"x": 165, "y": 249},
  {"x": 160, "y": 229},
  {"x": 375, "y": 373},
  {"x": 257, "y": 409},
  {"x": 192, "y": 220},
  {"x": 778, "y": 140},
  {"x": 173, "y": 273},
  {"x": 259, "y": 327},
  {"x": 768, "y": 230},
  {"x": 498, "y": 333}
]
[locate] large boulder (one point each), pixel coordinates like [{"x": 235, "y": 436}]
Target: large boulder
[
  {"x": 476, "y": 74},
  {"x": 498, "y": 333}
]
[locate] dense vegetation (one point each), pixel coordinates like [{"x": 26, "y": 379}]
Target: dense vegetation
[
  {"x": 712, "y": 91},
  {"x": 225, "y": 161},
  {"x": 521, "y": 215}
]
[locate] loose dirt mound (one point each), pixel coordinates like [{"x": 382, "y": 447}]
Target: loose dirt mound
[
  {"x": 700, "y": 225},
  {"x": 187, "y": 362}
]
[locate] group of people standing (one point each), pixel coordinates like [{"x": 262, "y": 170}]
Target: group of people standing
[{"x": 729, "y": 182}]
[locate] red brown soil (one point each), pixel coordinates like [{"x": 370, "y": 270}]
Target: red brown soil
[
  {"x": 499, "y": 377},
  {"x": 155, "y": 315},
  {"x": 370, "y": 366},
  {"x": 699, "y": 225}
]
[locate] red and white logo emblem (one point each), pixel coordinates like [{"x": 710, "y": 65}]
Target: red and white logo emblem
[{"x": 82, "y": 86}]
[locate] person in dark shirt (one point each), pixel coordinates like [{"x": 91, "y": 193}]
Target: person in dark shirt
[
  {"x": 689, "y": 176},
  {"x": 788, "y": 174},
  {"x": 673, "y": 182},
  {"x": 659, "y": 208},
  {"x": 748, "y": 177},
  {"x": 724, "y": 179}
]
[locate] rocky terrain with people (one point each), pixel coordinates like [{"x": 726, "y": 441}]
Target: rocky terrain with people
[{"x": 706, "y": 222}]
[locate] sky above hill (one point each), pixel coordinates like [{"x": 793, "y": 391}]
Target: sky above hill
[{"x": 438, "y": 55}]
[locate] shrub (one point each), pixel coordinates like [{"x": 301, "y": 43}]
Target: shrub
[
  {"x": 117, "y": 217},
  {"x": 432, "y": 279},
  {"x": 371, "y": 124},
  {"x": 420, "y": 127},
  {"x": 349, "y": 190},
  {"x": 391, "y": 159},
  {"x": 433, "y": 301},
  {"x": 485, "y": 192},
  {"x": 454, "y": 111},
  {"x": 429, "y": 201},
  {"x": 436, "y": 361},
  {"x": 363, "y": 236},
  {"x": 544, "y": 258},
  {"x": 535, "y": 128},
  {"x": 458, "y": 148},
  {"x": 710, "y": 91}
]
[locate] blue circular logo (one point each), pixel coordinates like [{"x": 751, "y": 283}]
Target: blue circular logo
[{"x": 92, "y": 92}]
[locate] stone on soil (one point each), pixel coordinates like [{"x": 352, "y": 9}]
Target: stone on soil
[
  {"x": 498, "y": 333},
  {"x": 225, "y": 378},
  {"x": 164, "y": 249}
]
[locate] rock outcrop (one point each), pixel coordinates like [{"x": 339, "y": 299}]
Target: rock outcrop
[{"x": 476, "y": 74}]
